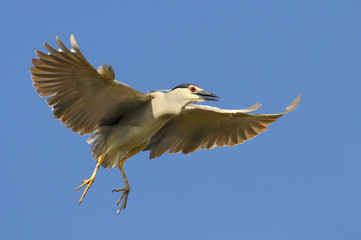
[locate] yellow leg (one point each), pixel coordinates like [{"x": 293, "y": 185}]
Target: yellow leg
[
  {"x": 125, "y": 190},
  {"x": 89, "y": 181}
]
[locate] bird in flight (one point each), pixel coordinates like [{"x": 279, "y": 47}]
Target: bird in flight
[{"x": 124, "y": 121}]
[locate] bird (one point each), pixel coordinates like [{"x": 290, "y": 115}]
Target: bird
[{"x": 123, "y": 121}]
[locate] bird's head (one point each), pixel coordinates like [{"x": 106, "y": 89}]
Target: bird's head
[{"x": 192, "y": 93}]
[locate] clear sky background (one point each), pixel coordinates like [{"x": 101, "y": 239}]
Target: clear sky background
[{"x": 301, "y": 179}]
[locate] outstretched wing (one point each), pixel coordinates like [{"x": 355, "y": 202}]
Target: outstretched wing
[
  {"x": 82, "y": 97},
  {"x": 208, "y": 127}
]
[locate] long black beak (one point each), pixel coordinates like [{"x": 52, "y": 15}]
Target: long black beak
[{"x": 208, "y": 96}]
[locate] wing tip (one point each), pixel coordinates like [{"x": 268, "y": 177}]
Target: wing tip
[
  {"x": 73, "y": 42},
  {"x": 293, "y": 104},
  {"x": 254, "y": 107},
  {"x": 75, "y": 47}
]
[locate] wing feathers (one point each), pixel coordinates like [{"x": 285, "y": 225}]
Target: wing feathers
[
  {"x": 81, "y": 97},
  {"x": 206, "y": 127}
]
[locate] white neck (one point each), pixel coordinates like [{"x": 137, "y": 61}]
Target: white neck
[{"x": 167, "y": 103}]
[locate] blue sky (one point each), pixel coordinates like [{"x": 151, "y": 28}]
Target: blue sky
[{"x": 299, "y": 180}]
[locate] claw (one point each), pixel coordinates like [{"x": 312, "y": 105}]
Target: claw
[
  {"x": 118, "y": 190},
  {"x": 125, "y": 193},
  {"x": 87, "y": 182}
]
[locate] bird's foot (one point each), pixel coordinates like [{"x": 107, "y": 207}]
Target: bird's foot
[
  {"x": 125, "y": 192},
  {"x": 87, "y": 182}
]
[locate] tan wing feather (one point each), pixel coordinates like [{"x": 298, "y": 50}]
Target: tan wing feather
[
  {"x": 208, "y": 127},
  {"x": 81, "y": 97}
]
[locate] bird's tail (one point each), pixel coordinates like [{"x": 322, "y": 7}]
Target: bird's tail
[{"x": 99, "y": 147}]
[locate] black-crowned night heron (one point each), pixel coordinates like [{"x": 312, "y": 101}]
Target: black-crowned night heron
[{"x": 124, "y": 121}]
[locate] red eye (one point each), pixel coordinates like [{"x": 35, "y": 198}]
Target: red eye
[{"x": 192, "y": 89}]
